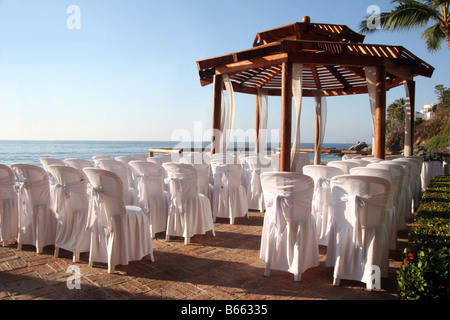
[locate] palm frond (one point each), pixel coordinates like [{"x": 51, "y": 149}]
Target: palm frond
[
  {"x": 433, "y": 36},
  {"x": 410, "y": 14}
]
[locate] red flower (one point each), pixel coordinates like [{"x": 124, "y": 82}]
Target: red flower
[{"x": 411, "y": 256}]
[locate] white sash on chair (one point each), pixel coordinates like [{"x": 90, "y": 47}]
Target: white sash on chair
[{"x": 356, "y": 203}]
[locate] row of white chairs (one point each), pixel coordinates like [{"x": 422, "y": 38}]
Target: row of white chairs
[
  {"x": 354, "y": 207},
  {"x": 295, "y": 258}
]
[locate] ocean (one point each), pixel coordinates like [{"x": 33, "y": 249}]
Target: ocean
[{"x": 30, "y": 151}]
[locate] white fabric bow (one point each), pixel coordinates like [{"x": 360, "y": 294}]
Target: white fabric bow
[
  {"x": 176, "y": 188},
  {"x": 357, "y": 202},
  {"x": 95, "y": 216},
  {"x": 277, "y": 218}
]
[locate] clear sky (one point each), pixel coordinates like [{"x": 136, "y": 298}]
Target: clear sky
[{"x": 129, "y": 72}]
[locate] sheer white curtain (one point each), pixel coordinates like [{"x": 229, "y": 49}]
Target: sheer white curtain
[
  {"x": 321, "y": 112},
  {"x": 297, "y": 85},
  {"x": 227, "y": 116},
  {"x": 261, "y": 144},
  {"x": 371, "y": 78}
]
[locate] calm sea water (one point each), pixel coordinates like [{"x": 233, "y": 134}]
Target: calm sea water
[{"x": 29, "y": 152}]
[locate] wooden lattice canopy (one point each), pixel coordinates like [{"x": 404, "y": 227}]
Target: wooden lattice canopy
[{"x": 333, "y": 58}]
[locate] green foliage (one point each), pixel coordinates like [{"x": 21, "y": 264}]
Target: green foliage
[
  {"x": 424, "y": 274},
  {"x": 440, "y": 141},
  {"x": 413, "y": 15}
]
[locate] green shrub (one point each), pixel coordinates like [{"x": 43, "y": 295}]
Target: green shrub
[{"x": 425, "y": 270}]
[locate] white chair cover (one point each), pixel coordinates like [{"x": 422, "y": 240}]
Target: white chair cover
[
  {"x": 322, "y": 205},
  {"x": 359, "y": 162},
  {"x": 398, "y": 173},
  {"x": 252, "y": 168},
  {"x": 349, "y": 156},
  {"x": 415, "y": 181},
  {"x": 140, "y": 157},
  {"x": 49, "y": 161},
  {"x": 204, "y": 176},
  {"x": 8, "y": 205},
  {"x": 37, "y": 222},
  {"x": 229, "y": 196},
  {"x": 79, "y": 164},
  {"x": 430, "y": 169},
  {"x": 345, "y": 166},
  {"x": 121, "y": 169},
  {"x": 407, "y": 193},
  {"x": 153, "y": 199},
  {"x": 274, "y": 161},
  {"x": 70, "y": 203},
  {"x": 100, "y": 157},
  {"x": 119, "y": 233},
  {"x": 391, "y": 218},
  {"x": 358, "y": 236},
  {"x": 189, "y": 210},
  {"x": 131, "y": 182},
  {"x": 289, "y": 235}
]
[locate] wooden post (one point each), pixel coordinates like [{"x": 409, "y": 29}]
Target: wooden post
[
  {"x": 410, "y": 88},
  {"x": 317, "y": 145},
  {"x": 217, "y": 112},
  {"x": 286, "y": 117},
  {"x": 380, "y": 114}
]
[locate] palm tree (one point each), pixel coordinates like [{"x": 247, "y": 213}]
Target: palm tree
[
  {"x": 413, "y": 14},
  {"x": 395, "y": 117}
]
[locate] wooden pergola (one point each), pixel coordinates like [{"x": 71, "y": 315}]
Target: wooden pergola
[{"x": 334, "y": 59}]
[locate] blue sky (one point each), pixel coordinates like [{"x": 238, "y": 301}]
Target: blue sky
[{"x": 129, "y": 72}]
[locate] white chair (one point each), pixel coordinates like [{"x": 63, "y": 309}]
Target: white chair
[
  {"x": 131, "y": 183},
  {"x": 289, "y": 235},
  {"x": 398, "y": 173},
  {"x": 153, "y": 200},
  {"x": 189, "y": 210},
  {"x": 121, "y": 169},
  {"x": 391, "y": 217},
  {"x": 49, "y": 161},
  {"x": 119, "y": 233},
  {"x": 407, "y": 193},
  {"x": 345, "y": 166},
  {"x": 100, "y": 157},
  {"x": 37, "y": 222},
  {"x": 358, "y": 236},
  {"x": 253, "y": 166},
  {"x": 229, "y": 196},
  {"x": 204, "y": 176},
  {"x": 322, "y": 205},
  {"x": 79, "y": 164},
  {"x": 348, "y": 156},
  {"x": 8, "y": 205},
  {"x": 70, "y": 203},
  {"x": 359, "y": 162},
  {"x": 140, "y": 157},
  {"x": 274, "y": 161},
  {"x": 415, "y": 180}
]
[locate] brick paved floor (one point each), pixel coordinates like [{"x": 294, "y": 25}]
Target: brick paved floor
[{"x": 225, "y": 267}]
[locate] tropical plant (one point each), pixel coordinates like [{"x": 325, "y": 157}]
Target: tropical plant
[
  {"x": 396, "y": 116},
  {"x": 415, "y": 14}
]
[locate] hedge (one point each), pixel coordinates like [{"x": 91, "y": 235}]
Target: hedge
[{"x": 424, "y": 274}]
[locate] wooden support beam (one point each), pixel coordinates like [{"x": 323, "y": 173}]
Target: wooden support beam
[
  {"x": 380, "y": 114},
  {"x": 217, "y": 112},
  {"x": 410, "y": 88},
  {"x": 286, "y": 117}
]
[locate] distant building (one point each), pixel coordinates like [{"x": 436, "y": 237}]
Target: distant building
[{"x": 426, "y": 113}]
